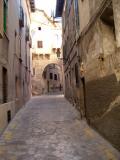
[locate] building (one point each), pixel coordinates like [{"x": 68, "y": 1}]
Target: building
[
  {"x": 91, "y": 53},
  {"x": 46, "y": 54},
  {"x": 15, "y": 83}
]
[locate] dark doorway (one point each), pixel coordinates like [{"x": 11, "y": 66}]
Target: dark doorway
[
  {"x": 8, "y": 116},
  {"x": 76, "y": 75},
  {"x": 84, "y": 97},
  {"x": 5, "y": 84}
]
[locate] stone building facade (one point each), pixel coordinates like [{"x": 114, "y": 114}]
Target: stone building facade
[
  {"x": 46, "y": 52},
  {"x": 15, "y": 73},
  {"x": 91, "y": 53}
]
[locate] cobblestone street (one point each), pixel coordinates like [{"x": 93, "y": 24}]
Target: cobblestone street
[{"x": 48, "y": 128}]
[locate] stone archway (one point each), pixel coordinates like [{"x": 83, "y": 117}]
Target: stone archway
[
  {"x": 39, "y": 84},
  {"x": 53, "y": 78}
]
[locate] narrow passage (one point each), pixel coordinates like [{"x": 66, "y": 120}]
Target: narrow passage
[{"x": 48, "y": 128}]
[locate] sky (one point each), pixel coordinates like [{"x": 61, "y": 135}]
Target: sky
[{"x": 47, "y": 5}]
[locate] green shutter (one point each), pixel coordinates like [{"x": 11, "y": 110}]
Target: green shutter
[{"x": 5, "y": 15}]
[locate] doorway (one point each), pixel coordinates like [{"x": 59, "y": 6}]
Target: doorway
[
  {"x": 5, "y": 84},
  {"x": 84, "y": 114}
]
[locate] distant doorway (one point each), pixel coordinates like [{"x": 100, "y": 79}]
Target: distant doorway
[{"x": 84, "y": 97}]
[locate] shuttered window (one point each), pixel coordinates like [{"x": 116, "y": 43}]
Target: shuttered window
[
  {"x": 1, "y": 18},
  {"x": 5, "y": 14}
]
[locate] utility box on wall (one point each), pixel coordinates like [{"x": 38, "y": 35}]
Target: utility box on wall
[{"x": 1, "y": 18}]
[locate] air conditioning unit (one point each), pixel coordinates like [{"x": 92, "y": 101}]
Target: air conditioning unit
[{"x": 21, "y": 19}]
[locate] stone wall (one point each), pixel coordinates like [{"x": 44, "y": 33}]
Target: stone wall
[
  {"x": 4, "y": 108},
  {"x": 97, "y": 96},
  {"x": 15, "y": 59},
  {"x": 102, "y": 81}
]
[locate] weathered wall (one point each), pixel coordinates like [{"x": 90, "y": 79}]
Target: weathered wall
[
  {"x": 98, "y": 55},
  {"x": 10, "y": 50},
  {"x": 102, "y": 79},
  {"x": 4, "y": 108}
]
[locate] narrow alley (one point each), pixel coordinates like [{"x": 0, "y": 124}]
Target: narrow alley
[
  {"x": 59, "y": 79},
  {"x": 48, "y": 128}
]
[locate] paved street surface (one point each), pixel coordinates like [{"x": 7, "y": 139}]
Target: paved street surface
[{"x": 48, "y": 128}]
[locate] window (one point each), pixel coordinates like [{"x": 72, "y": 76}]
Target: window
[
  {"x": 41, "y": 56},
  {"x": 58, "y": 52},
  {"x": 51, "y": 75},
  {"x": 8, "y": 116},
  {"x": 1, "y": 19},
  {"x": 40, "y": 44},
  {"x": 17, "y": 87},
  {"x": 55, "y": 77},
  {"x": 5, "y": 14},
  {"x": 39, "y": 28},
  {"x": 34, "y": 56},
  {"x": 47, "y": 56},
  {"x": 76, "y": 74},
  {"x": 27, "y": 33},
  {"x": 68, "y": 6},
  {"x": 58, "y": 55},
  {"x": 21, "y": 18},
  {"x": 76, "y": 6}
]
